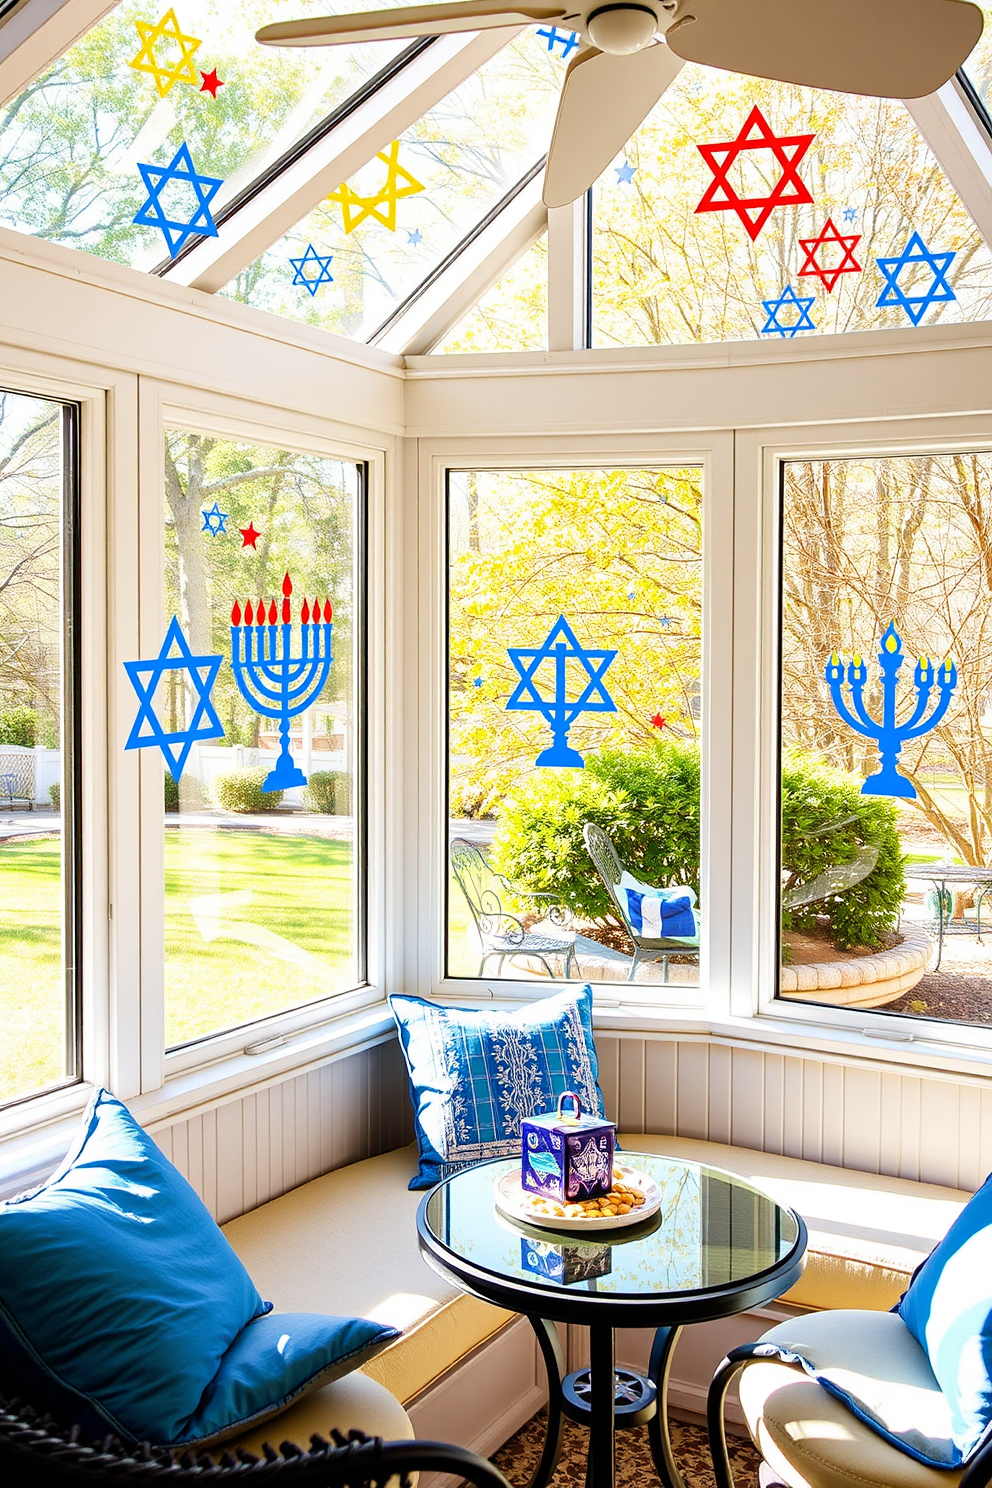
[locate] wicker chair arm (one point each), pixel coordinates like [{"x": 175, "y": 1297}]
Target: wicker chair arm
[{"x": 35, "y": 1450}]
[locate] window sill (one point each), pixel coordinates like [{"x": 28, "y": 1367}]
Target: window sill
[{"x": 35, "y": 1135}]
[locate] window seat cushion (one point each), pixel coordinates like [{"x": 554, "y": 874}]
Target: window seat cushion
[
  {"x": 867, "y": 1233},
  {"x": 347, "y": 1243}
]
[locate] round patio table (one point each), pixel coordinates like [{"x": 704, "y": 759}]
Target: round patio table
[
  {"x": 717, "y": 1247},
  {"x": 942, "y": 874}
]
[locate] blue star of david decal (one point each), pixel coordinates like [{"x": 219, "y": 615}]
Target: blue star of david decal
[
  {"x": 625, "y": 173},
  {"x": 850, "y": 214},
  {"x": 560, "y": 645},
  {"x": 774, "y": 327},
  {"x": 939, "y": 291},
  {"x": 312, "y": 282},
  {"x": 145, "y": 676},
  {"x": 416, "y": 237},
  {"x": 214, "y": 520},
  {"x": 568, "y": 40},
  {"x": 153, "y": 213}
]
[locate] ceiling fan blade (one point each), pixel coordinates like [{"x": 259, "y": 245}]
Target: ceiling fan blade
[
  {"x": 603, "y": 100},
  {"x": 408, "y": 20},
  {"x": 883, "y": 48}
]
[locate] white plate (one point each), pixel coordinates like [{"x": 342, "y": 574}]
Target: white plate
[{"x": 517, "y": 1203}]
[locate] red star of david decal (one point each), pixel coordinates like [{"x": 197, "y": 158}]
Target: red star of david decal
[
  {"x": 250, "y": 535},
  {"x": 848, "y": 264},
  {"x": 211, "y": 82},
  {"x": 754, "y": 211}
]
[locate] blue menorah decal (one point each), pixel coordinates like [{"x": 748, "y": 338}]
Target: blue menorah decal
[
  {"x": 274, "y": 682},
  {"x": 559, "y": 647},
  {"x": 890, "y": 735}
]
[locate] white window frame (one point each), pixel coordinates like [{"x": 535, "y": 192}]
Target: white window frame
[
  {"x": 752, "y": 1002},
  {"x": 162, "y": 407},
  {"x": 712, "y": 452}
]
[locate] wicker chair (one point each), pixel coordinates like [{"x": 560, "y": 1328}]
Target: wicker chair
[
  {"x": 35, "y": 1452},
  {"x": 610, "y": 870}
]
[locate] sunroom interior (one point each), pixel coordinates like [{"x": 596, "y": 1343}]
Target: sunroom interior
[{"x": 455, "y": 651}]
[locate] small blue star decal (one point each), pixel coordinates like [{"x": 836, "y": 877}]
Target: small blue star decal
[
  {"x": 312, "y": 282},
  {"x": 145, "y": 676},
  {"x": 214, "y": 520},
  {"x": 939, "y": 292},
  {"x": 416, "y": 237},
  {"x": 850, "y": 214},
  {"x": 153, "y": 213},
  {"x": 774, "y": 327},
  {"x": 625, "y": 173},
  {"x": 568, "y": 40},
  {"x": 477, "y": 682}
]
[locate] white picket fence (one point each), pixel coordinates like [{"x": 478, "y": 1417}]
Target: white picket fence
[{"x": 33, "y": 771}]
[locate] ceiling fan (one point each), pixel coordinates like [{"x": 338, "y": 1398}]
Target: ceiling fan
[{"x": 632, "y": 50}]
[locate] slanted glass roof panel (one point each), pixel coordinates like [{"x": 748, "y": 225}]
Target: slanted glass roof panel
[
  {"x": 451, "y": 168},
  {"x": 978, "y": 68},
  {"x": 71, "y": 143},
  {"x": 513, "y": 314},
  {"x": 664, "y": 272}
]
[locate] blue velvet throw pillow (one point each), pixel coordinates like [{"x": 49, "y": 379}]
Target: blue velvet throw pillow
[
  {"x": 948, "y": 1309},
  {"x": 475, "y": 1075},
  {"x": 124, "y": 1308}
]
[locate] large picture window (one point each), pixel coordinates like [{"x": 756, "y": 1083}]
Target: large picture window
[
  {"x": 40, "y": 882},
  {"x": 264, "y": 882},
  {"x": 575, "y": 608},
  {"x": 887, "y": 734}
]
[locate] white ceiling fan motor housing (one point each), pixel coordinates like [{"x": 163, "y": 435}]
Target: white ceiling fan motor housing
[{"x": 619, "y": 28}]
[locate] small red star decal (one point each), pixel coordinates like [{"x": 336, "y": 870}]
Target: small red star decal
[
  {"x": 848, "y": 264},
  {"x": 211, "y": 82},
  {"x": 754, "y": 211},
  {"x": 250, "y": 535},
  {"x": 658, "y": 721}
]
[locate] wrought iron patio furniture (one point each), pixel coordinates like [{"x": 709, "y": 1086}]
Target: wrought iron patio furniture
[
  {"x": 8, "y": 790},
  {"x": 611, "y": 870},
  {"x": 502, "y": 933},
  {"x": 35, "y": 1451},
  {"x": 942, "y": 874}
]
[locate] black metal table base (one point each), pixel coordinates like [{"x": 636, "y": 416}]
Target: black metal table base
[{"x": 607, "y": 1399}]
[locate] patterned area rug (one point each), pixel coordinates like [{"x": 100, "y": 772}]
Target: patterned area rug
[{"x": 635, "y": 1468}]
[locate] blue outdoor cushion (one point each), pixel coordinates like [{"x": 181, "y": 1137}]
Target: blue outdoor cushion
[
  {"x": 948, "y": 1309},
  {"x": 124, "y": 1308},
  {"x": 475, "y": 1075}
]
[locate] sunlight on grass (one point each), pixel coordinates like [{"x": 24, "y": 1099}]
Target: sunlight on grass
[
  {"x": 32, "y": 995},
  {"x": 255, "y": 922}
]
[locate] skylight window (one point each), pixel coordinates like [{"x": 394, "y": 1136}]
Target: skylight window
[
  {"x": 978, "y": 68},
  {"x": 665, "y": 272},
  {"x": 129, "y": 94},
  {"x": 448, "y": 170}
]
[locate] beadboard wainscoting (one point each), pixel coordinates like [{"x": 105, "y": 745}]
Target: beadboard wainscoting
[
  {"x": 879, "y": 1120},
  {"x": 242, "y": 1153}
]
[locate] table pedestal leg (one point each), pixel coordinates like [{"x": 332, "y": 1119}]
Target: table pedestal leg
[
  {"x": 554, "y": 1364},
  {"x": 601, "y": 1467},
  {"x": 659, "y": 1370}
]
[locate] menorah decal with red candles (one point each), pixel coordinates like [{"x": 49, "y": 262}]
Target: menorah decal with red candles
[{"x": 270, "y": 678}]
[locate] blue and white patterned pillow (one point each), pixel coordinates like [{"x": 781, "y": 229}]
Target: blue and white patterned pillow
[{"x": 475, "y": 1075}]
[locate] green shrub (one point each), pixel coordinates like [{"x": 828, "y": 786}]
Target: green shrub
[
  {"x": 19, "y": 726},
  {"x": 55, "y": 795},
  {"x": 171, "y": 792},
  {"x": 241, "y": 790},
  {"x": 815, "y": 796},
  {"x": 328, "y": 791},
  {"x": 647, "y": 802}
]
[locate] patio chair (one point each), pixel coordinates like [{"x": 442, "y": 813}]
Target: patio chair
[
  {"x": 501, "y": 933},
  {"x": 611, "y": 870}
]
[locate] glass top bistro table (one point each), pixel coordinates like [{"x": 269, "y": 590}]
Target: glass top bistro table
[
  {"x": 716, "y": 1247},
  {"x": 942, "y": 874}
]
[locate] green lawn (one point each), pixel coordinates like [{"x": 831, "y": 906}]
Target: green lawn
[{"x": 254, "y": 922}]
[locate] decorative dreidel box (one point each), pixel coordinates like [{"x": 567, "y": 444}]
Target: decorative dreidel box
[{"x": 568, "y": 1158}]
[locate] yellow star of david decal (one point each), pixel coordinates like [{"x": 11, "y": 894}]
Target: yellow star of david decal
[
  {"x": 355, "y": 208},
  {"x": 164, "y": 75}
]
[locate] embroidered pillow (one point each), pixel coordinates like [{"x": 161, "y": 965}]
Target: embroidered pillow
[{"x": 474, "y": 1075}]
